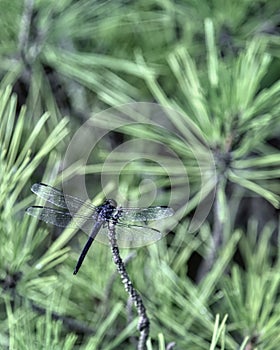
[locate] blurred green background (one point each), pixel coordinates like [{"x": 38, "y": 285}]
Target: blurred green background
[{"x": 214, "y": 62}]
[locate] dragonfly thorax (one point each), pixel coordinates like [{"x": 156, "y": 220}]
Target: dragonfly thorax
[{"x": 107, "y": 210}]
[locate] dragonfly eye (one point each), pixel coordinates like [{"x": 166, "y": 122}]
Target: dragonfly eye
[{"x": 111, "y": 202}]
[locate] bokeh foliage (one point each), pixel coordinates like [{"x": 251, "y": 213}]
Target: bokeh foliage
[{"x": 218, "y": 64}]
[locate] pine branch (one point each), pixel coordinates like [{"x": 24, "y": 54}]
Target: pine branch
[{"x": 144, "y": 323}]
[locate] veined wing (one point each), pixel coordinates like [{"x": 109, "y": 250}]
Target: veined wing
[
  {"x": 130, "y": 236},
  {"x": 144, "y": 214},
  {"x": 61, "y": 218},
  {"x": 127, "y": 235},
  {"x": 56, "y": 197}
]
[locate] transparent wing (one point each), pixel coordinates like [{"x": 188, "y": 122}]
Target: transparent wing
[
  {"x": 127, "y": 235},
  {"x": 144, "y": 214},
  {"x": 61, "y": 218},
  {"x": 130, "y": 236},
  {"x": 58, "y": 198}
]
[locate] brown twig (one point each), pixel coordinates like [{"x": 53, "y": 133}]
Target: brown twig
[{"x": 144, "y": 323}]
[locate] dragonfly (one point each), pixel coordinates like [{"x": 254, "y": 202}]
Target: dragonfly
[{"x": 131, "y": 224}]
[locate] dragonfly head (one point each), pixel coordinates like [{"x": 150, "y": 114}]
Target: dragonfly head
[{"x": 111, "y": 202}]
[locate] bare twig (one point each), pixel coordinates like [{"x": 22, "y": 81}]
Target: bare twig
[
  {"x": 112, "y": 279},
  {"x": 144, "y": 323}
]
